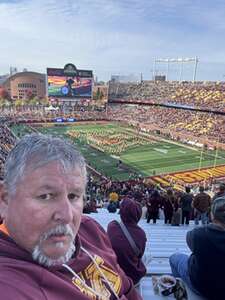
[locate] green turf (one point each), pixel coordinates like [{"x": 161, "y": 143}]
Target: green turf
[{"x": 151, "y": 158}]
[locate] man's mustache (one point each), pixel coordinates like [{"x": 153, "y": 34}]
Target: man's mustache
[{"x": 58, "y": 230}]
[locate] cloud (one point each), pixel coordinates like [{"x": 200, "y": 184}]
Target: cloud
[{"x": 110, "y": 35}]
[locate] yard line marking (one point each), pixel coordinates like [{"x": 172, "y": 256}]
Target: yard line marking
[{"x": 164, "y": 151}]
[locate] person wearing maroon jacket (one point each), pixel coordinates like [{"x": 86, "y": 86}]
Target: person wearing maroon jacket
[
  {"x": 153, "y": 205},
  {"x": 168, "y": 202},
  {"x": 48, "y": 250},
  {"x": 129, "y": 261}
]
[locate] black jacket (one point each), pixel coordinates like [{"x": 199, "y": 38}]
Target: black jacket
[
  {"x": 206, "y": 264},
  {"x": 186, "y": 201}
]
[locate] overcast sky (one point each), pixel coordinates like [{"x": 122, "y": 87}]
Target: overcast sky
[{"x": 114, "y": 36}]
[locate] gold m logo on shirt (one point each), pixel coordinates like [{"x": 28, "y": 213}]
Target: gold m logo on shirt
[{"x": 93, "y": 278}]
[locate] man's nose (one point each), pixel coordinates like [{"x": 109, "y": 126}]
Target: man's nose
[{"x": 64, "y": 211}]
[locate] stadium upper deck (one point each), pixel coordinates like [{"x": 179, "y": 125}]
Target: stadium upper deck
[{"x": 198, "y": 95}]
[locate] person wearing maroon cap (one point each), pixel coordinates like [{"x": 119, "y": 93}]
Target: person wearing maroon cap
[{"x": 129, "y": 261}]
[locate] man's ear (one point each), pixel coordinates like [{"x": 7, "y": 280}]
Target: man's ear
[{"x": 3, "y": 200}]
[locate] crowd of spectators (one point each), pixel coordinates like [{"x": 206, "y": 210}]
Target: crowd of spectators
[
  {"x": 201, "y": 95},
  {"x": 195, "y": 124},
  {"x": 198, "y": 124},
  {"x": 174, "y": 206},
  {"x": 39, "y": 114},
  {"x": 7, "y": 141}
]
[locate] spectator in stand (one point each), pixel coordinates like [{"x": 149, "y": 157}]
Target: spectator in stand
[
  {"x": 176, "y": 219},
  {"x": 144, "y": 209},
  {"x": 221, "y": 192},
  {"x": 204, "y": 270},
  {"x": 113, "y": 196},
  {"x": 128, "y": 259},
  {"x": 176, "y": 213},
  {"x": 186, "y": 205},
  {"x": 201, "y": 205},
  {"x": 153, "y": 205},
  {"x": 87, "y": 207},
  {"x": 168, "y": 202},
  {"x": 93, "y": 205},
  {"x": 112, "y": 207}
]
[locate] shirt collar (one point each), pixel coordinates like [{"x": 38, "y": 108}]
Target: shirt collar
[{"x": 4, "y": 229}]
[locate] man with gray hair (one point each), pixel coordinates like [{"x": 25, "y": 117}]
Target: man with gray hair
[
  {"x": 48, "y": 250},
  {"x": 204, "y": 270}
]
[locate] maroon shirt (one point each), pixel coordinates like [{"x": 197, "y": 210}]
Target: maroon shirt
[
  {"x": 22, "y": 278},
  {"x": 130, "y": 212}
]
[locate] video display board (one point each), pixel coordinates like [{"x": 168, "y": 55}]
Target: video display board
[{"x": 63, "y": 84}]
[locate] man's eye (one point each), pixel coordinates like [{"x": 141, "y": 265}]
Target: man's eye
[
  {"x": 45, "y": 196},
  {"x": 73, "y": 196}
]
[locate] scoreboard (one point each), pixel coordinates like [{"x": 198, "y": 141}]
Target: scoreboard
[{"x": 69, "y": 82}]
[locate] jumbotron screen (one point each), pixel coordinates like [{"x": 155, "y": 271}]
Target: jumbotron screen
[{"x": 60, "y": 85}]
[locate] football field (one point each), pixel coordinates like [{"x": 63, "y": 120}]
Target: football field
[{"x": 120, "y": 152}]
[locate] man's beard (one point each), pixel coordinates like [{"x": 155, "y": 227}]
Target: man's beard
[{"x": 46, "y": 261}]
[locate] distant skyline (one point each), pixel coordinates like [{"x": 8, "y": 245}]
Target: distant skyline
[{"x": 119, "y": 37}]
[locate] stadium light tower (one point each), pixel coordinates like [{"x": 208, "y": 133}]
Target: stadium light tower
[{"x": 181, "y": 61}]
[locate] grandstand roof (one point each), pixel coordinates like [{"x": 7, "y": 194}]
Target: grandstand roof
[{"x": 27, "y": 73}]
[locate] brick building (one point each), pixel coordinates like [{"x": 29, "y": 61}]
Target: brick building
[{"x": 24, "y": 85}]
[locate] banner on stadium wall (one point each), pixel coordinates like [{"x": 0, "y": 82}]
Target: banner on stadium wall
[
  {"x": 195, "y": 176},
  {"x": 71, "y": 120},
  {"x": 60, "y": 120}
]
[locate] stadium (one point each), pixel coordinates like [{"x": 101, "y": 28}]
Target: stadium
[
  {"x": 135, "y": 138},
  {"x": 159, "y": 130}
]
